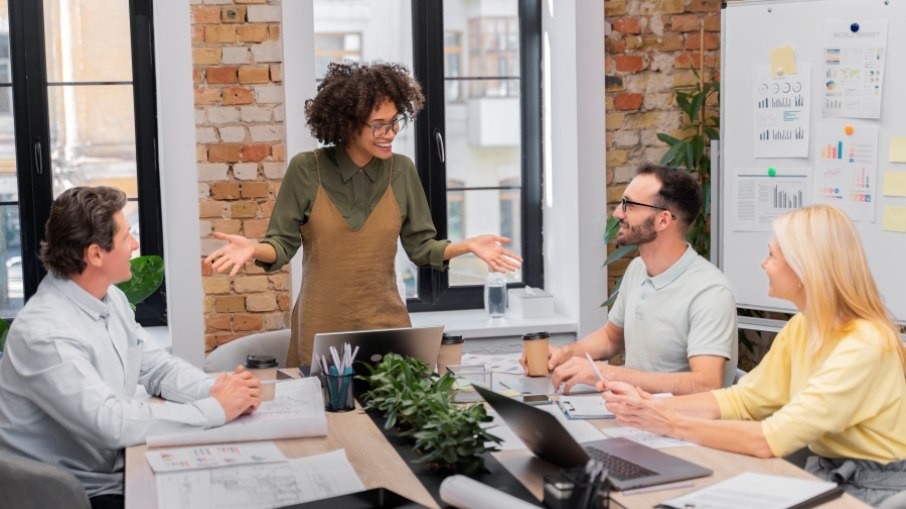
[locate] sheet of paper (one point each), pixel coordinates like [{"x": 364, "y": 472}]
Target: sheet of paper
[
  {"x": 783, "y": 61},
  {"x": 846, "y": 168},
  {"x": 854, "y": 68},
  {"x": 213, "y": 456},
  {"x": 894, "y": 183},
  {"x": 260, "y": 486},
  {"x": 498, "y": 363},
  {"x": 897, "y": 152},
  {"x": 645, "y": 438},
  {"x": 590, "y": 406},
  {"x": 894, "y": 219},
  {"x": 753, "y": 491},
  {"x": 781, "y": 107},
  {"x": 762, "y": 194},
  {"x": 296, "y": 411}
]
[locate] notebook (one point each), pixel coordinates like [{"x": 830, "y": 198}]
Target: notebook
[
  {"x": 630, "y": 465},
  {"x": 423, "y": 343},
  {"x": 758, "y": 490}
]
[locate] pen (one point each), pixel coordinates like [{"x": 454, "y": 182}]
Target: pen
[{"x": 594, "y": 367}]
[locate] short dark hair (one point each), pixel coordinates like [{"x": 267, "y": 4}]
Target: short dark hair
[
  {"x": 679, "y": 192},
  {"x": 79, "y": 217},
  {"x": 350, "y": 92}
]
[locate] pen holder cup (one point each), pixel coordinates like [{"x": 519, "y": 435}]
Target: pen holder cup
[
  {"x": 562, "y": 491},
  {"x": 337, "y": 391}
]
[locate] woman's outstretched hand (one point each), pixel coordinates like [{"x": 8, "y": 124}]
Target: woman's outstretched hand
[
  {"x": 233, "y": 255},
  {"x": 489, "y": 248}
]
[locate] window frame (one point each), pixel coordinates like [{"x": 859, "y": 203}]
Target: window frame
[
  {"x": 32, "y": 134},
  {"x": 434, "y": 290}
]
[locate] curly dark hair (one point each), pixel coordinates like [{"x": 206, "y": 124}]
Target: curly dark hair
[
  {"x": 79, "y": 217},
  {"x": 679, "y": 192},
  {"x": 350, "y": 92}
]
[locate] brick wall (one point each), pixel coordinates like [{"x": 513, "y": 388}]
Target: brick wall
[
  {"x": 237, "y": 58},
  {"x": 651, "y": 46}
]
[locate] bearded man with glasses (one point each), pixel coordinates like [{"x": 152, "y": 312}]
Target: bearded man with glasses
[
  {"x": 675, "y": 316},
  {"x": 346, "y": 204}
]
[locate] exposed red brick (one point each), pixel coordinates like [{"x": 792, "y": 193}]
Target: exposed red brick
[
  {"x": 255, "y": 190},
  {"x": 628, "y": 101},
  {"x": 225, "y": 190},
  {"x": 629, "y": 63},
  {"x": 627, "y": 25},
  {"x": 712, "y": 41},
  {"x": 254, "y": 153},
  {"x": 220, "y": 75},
  {"x": 205, "y": 14},
  {"x": 237, "y": 95},
  {"x": 247, "y": 322},
  {"x": 684, "y": 22},
  {"x": 223, "y": 153}
]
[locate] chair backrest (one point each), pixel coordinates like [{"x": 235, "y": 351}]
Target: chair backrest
[
  {"x": 226, "y": 357},
  {"x": 29, "y": 484}
]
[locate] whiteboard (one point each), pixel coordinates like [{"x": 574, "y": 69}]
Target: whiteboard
[{"x": 750, "y": 30}]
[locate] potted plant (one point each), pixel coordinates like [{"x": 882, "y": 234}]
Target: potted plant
[{"x": 449, "y": 437}]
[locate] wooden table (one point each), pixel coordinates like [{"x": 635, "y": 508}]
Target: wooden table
[
  {"x": 379, "y": 465},
  {"x": 373, "y": 458}
]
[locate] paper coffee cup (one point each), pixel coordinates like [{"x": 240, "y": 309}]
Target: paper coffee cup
[{"x": 535, "y": 346}]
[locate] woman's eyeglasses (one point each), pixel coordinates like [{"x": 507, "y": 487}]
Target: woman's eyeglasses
[
  {"x": 625, "y": 203},
  {"x": 382, "y": 129}
]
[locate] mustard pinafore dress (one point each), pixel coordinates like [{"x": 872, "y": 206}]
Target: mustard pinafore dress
[{"x": 348, "y": 275}]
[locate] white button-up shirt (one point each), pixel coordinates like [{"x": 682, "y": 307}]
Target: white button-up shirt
[{"x": 71, "y": 366}]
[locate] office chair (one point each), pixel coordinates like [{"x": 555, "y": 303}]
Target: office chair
[
  {"x": 29, "y": 484},
  {"x": 226, "y": 357}
]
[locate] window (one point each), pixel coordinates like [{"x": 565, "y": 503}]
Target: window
[
  {"x": 85, "y": 116},
  {"x": 477, "y": 143},
  {"x": 336, "y": 48}
]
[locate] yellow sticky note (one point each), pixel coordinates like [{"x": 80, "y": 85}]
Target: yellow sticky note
[
  {"x": 783, "y": 61},
  {"x": 894, "y": 219},
  {"x": 897, "y": 149},
  {"x": 895, "y": 183}
]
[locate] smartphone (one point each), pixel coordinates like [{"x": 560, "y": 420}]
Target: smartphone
[{"x": 536, "y": 399}]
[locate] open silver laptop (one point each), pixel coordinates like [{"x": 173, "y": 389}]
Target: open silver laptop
[
  {"x": 629, "y": 464},
  {"x": 423, "y": 343}
]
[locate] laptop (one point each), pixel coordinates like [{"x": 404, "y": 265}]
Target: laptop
[
  {"x": 629, "y": 464},
  {"x": 423, "y": 343}
]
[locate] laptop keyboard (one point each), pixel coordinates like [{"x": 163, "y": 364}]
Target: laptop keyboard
[{"x": 619, "y": 468}]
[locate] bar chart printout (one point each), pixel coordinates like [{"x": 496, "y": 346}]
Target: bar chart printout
[
  {"x": 760, "y": 196},
  {"x": 781, "y": 112},
  {"x": 846, "y": 169}
]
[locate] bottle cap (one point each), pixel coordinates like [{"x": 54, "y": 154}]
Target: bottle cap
[
  {"x": 260, "y": 361},
  {"x": 536, "y": 335},
  {"x": 452, "y": 340}
]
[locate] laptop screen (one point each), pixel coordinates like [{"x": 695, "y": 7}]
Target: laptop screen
[{"x": 423, "y": 343}]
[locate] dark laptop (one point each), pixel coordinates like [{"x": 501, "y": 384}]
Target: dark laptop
[
  {"x": 629, "y": 464},
  {"x": 423, "y": 343}
]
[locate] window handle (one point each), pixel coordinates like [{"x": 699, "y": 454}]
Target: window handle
[
  {"x": 439, "y": 138},
  {"x": 39, "y": 161}
]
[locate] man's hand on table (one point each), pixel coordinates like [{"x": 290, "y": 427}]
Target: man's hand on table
[{"x": 239, "y": 393}]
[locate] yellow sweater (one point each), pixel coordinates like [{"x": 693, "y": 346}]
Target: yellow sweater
[{"x": 845, "y": 400}]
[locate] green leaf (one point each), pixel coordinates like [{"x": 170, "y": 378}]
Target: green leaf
[
  {"x": 619, "y": 253},
  {"x": 697, "y": 101},
  {"x": 613, "y": 294},
  {"x": 670, "y": 158},
  {"x": 147, "y": 276},
  {"x": 613, "y": 228},
  {"x": 4, "y": 331},
  {"x": 666, "y": 138}
]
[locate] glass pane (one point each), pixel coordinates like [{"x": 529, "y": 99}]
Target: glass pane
[
  {"x": 87, "y": 40},
  {"x": 92, "y": 137},
  {"x": 496, "y": 211},
  {"x": 369, "y": 31},
  {"x": 481, "y": 40},
  {"x": 12, "y": 295}
]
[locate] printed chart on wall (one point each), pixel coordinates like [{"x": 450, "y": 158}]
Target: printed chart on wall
[
  {"x": 781, "y": 106},
  {"x": 846, "y": 168},
  {"x": 762, "y": 194},
  {"x": 854, "y": 68}
]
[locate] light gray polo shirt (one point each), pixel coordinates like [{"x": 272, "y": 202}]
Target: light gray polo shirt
[{"x": 685, "y": 311}]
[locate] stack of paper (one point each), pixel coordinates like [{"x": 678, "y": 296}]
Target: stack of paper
[
  {"x": 297, "y": 410},
  {"x": 758, "y": 491}
]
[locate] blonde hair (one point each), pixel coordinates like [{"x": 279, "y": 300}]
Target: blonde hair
[{"x": 822, "y": 247}]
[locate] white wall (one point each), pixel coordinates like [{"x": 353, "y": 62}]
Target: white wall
[
  {"x": 575, "y": 208},
  {"x": 179, "y": 178}
]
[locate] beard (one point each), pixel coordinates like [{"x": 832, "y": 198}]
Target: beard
[{"x": 637, "y": 235}]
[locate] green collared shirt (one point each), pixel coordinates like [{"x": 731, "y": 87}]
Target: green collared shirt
[{"x": 355, "y": 191}]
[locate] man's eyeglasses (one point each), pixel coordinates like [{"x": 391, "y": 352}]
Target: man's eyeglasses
[
  {"x": 381, "y": 129},
  {"x": 625, "y": 203}
]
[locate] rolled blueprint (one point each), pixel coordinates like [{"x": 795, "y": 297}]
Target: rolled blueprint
[{"x": 465, "y": 493}]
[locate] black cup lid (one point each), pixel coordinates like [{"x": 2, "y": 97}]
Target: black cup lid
[
  {"x": 536, "y": 335},
  {"x": 452, "y": 340},
  {"x": 260, "y": 361}
]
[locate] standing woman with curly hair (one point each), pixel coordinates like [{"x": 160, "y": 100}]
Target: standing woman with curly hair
[{"x": 346, "y": 204}]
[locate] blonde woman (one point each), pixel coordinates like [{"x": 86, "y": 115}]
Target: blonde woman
[{"x": 833, "y": 380}]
